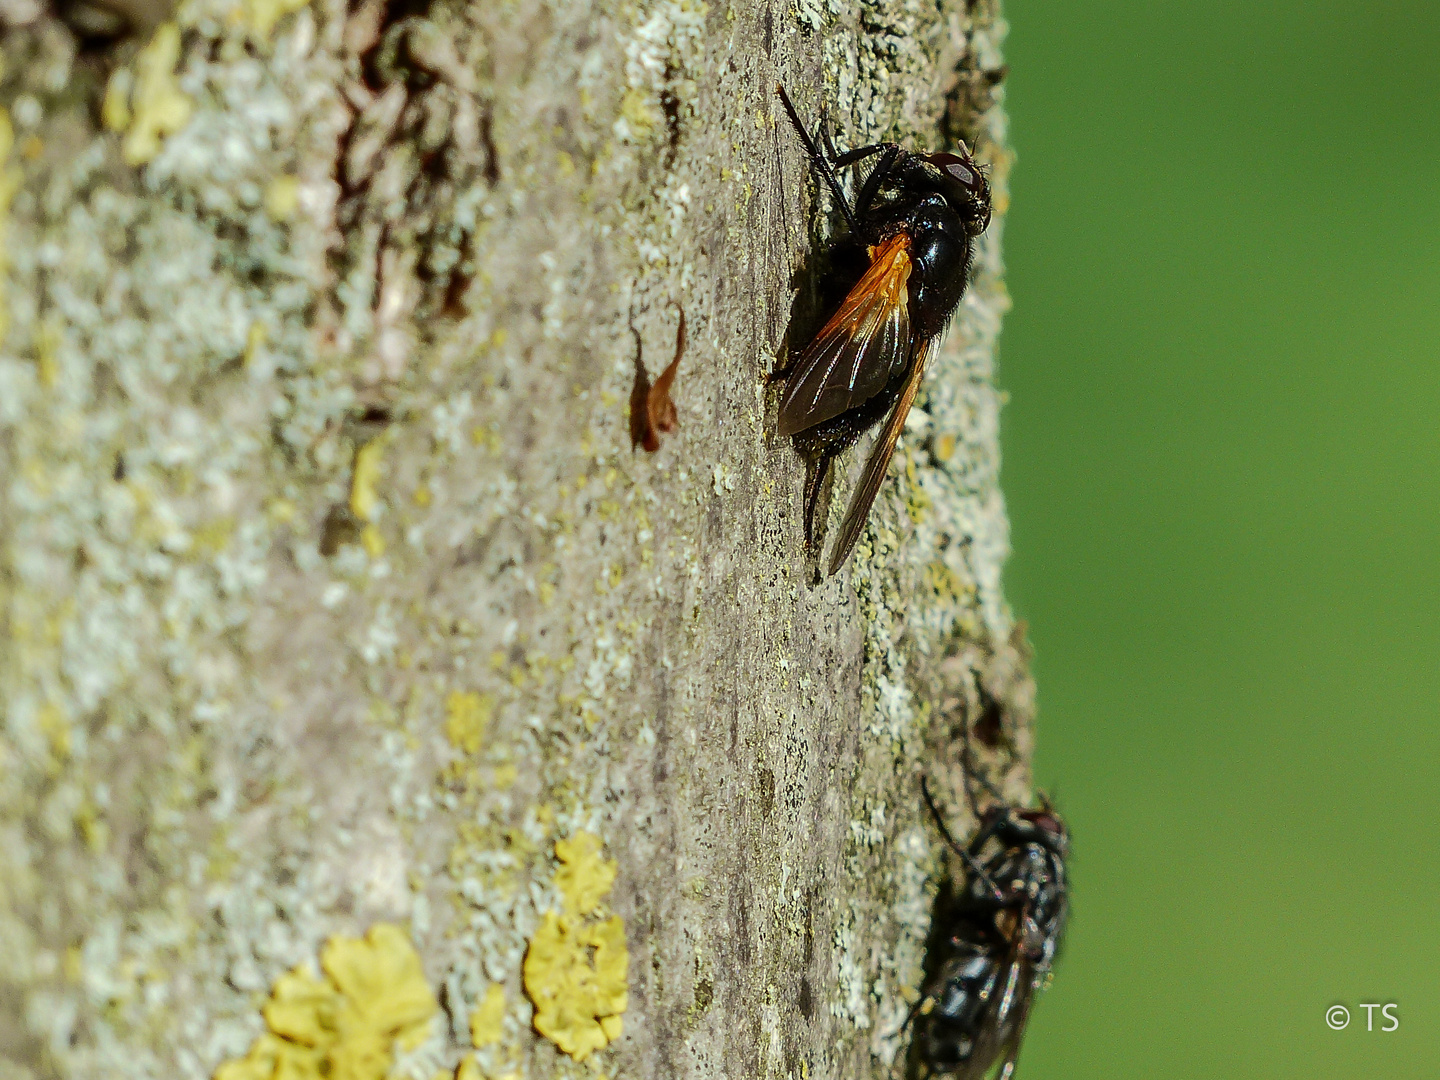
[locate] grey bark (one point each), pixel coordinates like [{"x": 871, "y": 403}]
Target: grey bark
[{"x": 314, "y": 374}]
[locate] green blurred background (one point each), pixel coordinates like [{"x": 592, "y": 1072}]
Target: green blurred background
[{"x": 1223, "y": 470}]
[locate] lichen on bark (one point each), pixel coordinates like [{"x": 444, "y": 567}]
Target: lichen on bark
[{"x": 333, "y": 595}]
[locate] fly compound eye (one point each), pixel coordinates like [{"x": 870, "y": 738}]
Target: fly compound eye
[
  {"x": 961, "y": 169},
  {"x": 964, "y": 174}
]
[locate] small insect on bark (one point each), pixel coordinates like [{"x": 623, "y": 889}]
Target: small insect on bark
[
  {"x": 995, "y": 940},
  {"x": 915, "y": 216}
]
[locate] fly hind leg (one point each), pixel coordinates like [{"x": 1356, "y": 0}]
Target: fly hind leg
[{"x": 817, "y": 473}]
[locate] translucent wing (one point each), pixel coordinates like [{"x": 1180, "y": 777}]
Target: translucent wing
[
  {"x": 998, "y": 1044},
  {"x": 860, "y": 349},
  {"x": 879, "y": 462},
  {"x": 1010, "y": 1051}
]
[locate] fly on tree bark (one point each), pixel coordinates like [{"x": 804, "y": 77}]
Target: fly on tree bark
[
  {"x": 915, "y": 216},
  {"x": 996, "y": 941}
]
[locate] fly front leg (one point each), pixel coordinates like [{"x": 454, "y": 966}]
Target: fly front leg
[
  {"x": 878, "y": 175},
  {"x": 968, "y": 857},
  {"x": 820, "y": 161},
  {"x": 859, "y": 154}
]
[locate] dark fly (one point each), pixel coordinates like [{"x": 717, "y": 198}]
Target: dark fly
[
  {"x": 996, "y": 937},
  {"x": 911, "y": 229}
]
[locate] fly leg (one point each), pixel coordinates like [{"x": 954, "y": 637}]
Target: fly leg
[
  {"x": 969, "y": 856},
  {"x": 780, "y": 374},
  {"x": 922, "y": 1007},
  {"x": 817, "y": 471},
  {"x": 860, "y": 153},
  {"x": 889, "y": 153},
  {"x": 821, "y": 161},
  {"x": 878, "y": 176}
]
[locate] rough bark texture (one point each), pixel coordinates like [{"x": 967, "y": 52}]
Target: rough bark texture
[{"x": 333, "y": 594}]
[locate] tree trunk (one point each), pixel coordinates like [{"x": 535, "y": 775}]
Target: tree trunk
[{"x": 341, "y": 618}]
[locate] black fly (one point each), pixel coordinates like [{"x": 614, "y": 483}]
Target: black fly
[
  {"x": 912, "y": 225},
  {"x": 996, "y": 939}
]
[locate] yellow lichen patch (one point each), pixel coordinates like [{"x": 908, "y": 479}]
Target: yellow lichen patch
[
  {"x": 302, "y": 1008},
  {"x": 273, "y": 1058},
  {"x": 363, "y": 498},
  {"x": 92, "y": 827},
  {"x": 487, "y": 1018},
  {"x": 575, "y": 968},
  {"x": 381, "y": 975},
  {"x": 146, "y": 102},
  {"x": 584, "y": 877},
  {"x": 255, "y": 339},
  {"x": 469, "y": 1069},
  {"x": 639, "y": 115},
  {"x": 52, "y": 724},
  {"x": 372, "y": 541},
  {"x": 262, "y": 15},
  {"x": 578, "y": 995},
  {"x": 344, "y": 1025},
  {"x": 213, "y": 535},
  {"x": 945, "y": 583},
  {"x": 115, "y": 109},
  {"x": 282, "y": 197},
  {"x": 47, "y": 351},
  {"x": 467, "y": 714},
  {"x": 73, "y": 965}
]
